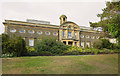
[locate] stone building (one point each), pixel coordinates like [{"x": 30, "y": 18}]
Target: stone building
[{"x": 67, "y": 32}]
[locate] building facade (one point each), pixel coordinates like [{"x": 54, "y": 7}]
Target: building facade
[{"x": 67, "y": 32}]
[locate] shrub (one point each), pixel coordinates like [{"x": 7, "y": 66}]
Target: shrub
[
  {"x": 97, "y": 44},
  {"x": 45, "y": 53},
  {"x": 51, "y": 46},
  {"x": 106, "y": 43},
  {"x": 15, "y": 45},
  {"x": 73, "y": 50}
]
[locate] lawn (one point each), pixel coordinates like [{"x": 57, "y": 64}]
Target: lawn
[{"x": 91, "y": 64}]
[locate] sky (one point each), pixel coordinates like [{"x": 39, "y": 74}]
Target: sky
[{"x": 79, "y": 11}]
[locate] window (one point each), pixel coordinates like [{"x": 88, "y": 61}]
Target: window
[
  {"x": 75, "y": 34},
  {"x": 93, "y": 37},
  {"x": 47, "y": 33},
  {"x": 97, "y": 37},
  {"x": 39, "y": 32},
  {"x": 88, "y": 44},
  {"x": 13, "y": 30},
  {"x": 82, "y": 44},
  {"x": 31, "y": 42},
  {"x": 87, "y": 36},
  {"x": 69, "y": 27},
  {"x": 22, "y": 31},
  {"x": 31, "y": 31},
  {"x": 82, "y": 36},
  {"x": 69, "y": 35},
  {"x": 63, "y": 19},
  {"x": 55, "y": 34},
  {"x": 63, "y": 33}
]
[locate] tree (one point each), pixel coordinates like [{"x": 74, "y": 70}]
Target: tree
[
  {"x": 110, "y": 20},
  {"x": 14, "y": 45}
]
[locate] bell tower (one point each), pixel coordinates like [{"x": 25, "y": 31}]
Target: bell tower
[{"x": 63, "y": 19}]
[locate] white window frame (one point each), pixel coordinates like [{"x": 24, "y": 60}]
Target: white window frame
[
  {"x": 11, "y": 30},
  {"x": 31, "y": 42}
]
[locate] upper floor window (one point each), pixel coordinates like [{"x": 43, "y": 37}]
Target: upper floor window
[
  {"x": 31, "y": 31},
  {"x": 93, "y": 37},
  {"x": 63, "y": 33},
  {"x": 13, "y": 30},
  {"x": 87, "y": 36},
  {"x": 39, "y": 32},
  {"x": 22, "y": 31},
  {"x": 69, "y": 35},
  {"x": 97, "y": 37},
  {"x": 75, "y": 34},
  {"x": 47, "y": 33},
  {"x": 82, "y": 36},
  {"x": 69, "y": 27},
  {"x": 55, "y": 34}
]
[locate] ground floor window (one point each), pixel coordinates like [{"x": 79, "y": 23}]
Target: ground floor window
[
  {"x": 88, "y": 44},
  {"x": 31, "y": 42},
  {"x": 82, "y": 44}
]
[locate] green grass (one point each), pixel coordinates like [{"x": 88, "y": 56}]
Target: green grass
[{"x": 93, "y": 64}]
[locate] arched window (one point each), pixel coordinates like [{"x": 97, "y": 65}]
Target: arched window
[
  {"x": 55, "y": 34},
  {"x": 39, "y": 32},
  {"x": 47, "y": 33},
  {"x": 22, "y": 31},
  {"x": 69, "y": 27},
  {"x": 63, "y": 19},
  {"x": 31, "y": 31},
  {"x": 13, "y": 30}
]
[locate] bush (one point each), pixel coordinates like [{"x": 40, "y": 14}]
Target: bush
[
  {"x": 13, "y": 45},
  {"x": 73, "y": 50},
  {"x": 51, "y": 46},
  {"x": 45, "y": 53},
  {"x": 97, "y": 44},
  {"x": 106, "y": 43}
]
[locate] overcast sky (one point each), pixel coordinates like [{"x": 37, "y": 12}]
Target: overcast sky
[{"x": 80, "y": 12}]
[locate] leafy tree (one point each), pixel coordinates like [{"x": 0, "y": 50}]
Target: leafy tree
[
  {"x": 14, "y": 45},
  {"x": 110, "y": 20}
]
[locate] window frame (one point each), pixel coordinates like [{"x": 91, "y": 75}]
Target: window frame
[
  {"x": 13, "y": 29},
  {"x": 21, "y": 32},
  {"x": 70, "y": 35},
  {"x": 54, "y": 34},
  {"x": 32, "y": 31},
  {"x": 48, "y": 32},
  {"x": 31, "y": 42},
  {"x": 39, "y": 33}
]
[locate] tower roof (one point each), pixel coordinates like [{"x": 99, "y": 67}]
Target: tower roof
[{"x": 63, "y": 16}]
